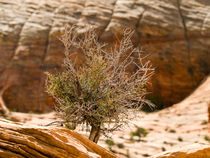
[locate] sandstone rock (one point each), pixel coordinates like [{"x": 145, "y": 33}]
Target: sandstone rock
[
  {"x": 191, "y": 151},
  {"x": 209, "y": 112},
  {"x": 180, "y": 125},
  {"x": 17, "y": 140},
  {"x": 174, "y": 32}
]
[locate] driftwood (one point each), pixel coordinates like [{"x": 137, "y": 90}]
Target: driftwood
[{"x": 18, "y": 140}]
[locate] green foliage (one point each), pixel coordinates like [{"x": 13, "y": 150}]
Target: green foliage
[
  {"x": 110, "y": 142},
  {"x": 99, "y": 91},
  {"x": 120, "y": 145},
  {"x": 140, "y": 132},
  {"x": 207, "y": 138}
]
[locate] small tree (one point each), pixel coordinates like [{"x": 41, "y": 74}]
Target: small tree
[{"x": 99, "y": 91}]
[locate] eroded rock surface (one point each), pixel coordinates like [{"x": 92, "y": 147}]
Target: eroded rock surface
[
  {"x": 174, "y": 32},
  {"x": 195, "y": 150},
  {"x": 17, "y": 140},
  {"x": 209, "y": 112},
  {"x": 181, "y": 125},
  {"x": 170, "y": 129}
]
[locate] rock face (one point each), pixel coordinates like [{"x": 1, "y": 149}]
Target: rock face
[
  {"x": 180, "y": 125},
  {"x": 174, "y": 32},
  {"x": 169, "y": 129},
  {"x": 21, "y": 141},
  {"x": 195, "y": 150},
  {"x": 209, "y": 112}
]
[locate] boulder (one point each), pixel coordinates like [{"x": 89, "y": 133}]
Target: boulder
[
  {"x": 174, "y": 32},
  {"x": 190, "y": 151},
  {"x": 18, "y": 140}
]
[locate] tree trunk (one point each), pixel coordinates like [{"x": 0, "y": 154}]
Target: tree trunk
[
  {"x": 94, "y": 133},
  {"x": 4, "y": 111}
]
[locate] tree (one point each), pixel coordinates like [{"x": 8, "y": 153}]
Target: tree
[{"x": 99, "y": 91}]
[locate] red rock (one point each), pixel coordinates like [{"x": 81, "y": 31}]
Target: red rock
[
  {"x": 175, "y": 34},
  {"x": 17, "y": 140},
  {"x": 191, "y": 151}
]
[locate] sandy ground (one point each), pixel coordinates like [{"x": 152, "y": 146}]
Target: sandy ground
[{"x": 182, "y": 124}]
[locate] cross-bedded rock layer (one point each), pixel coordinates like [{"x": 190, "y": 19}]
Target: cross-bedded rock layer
[
  {"x": 18, "y": 140},
  {"x": 176, "y": 34}
]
